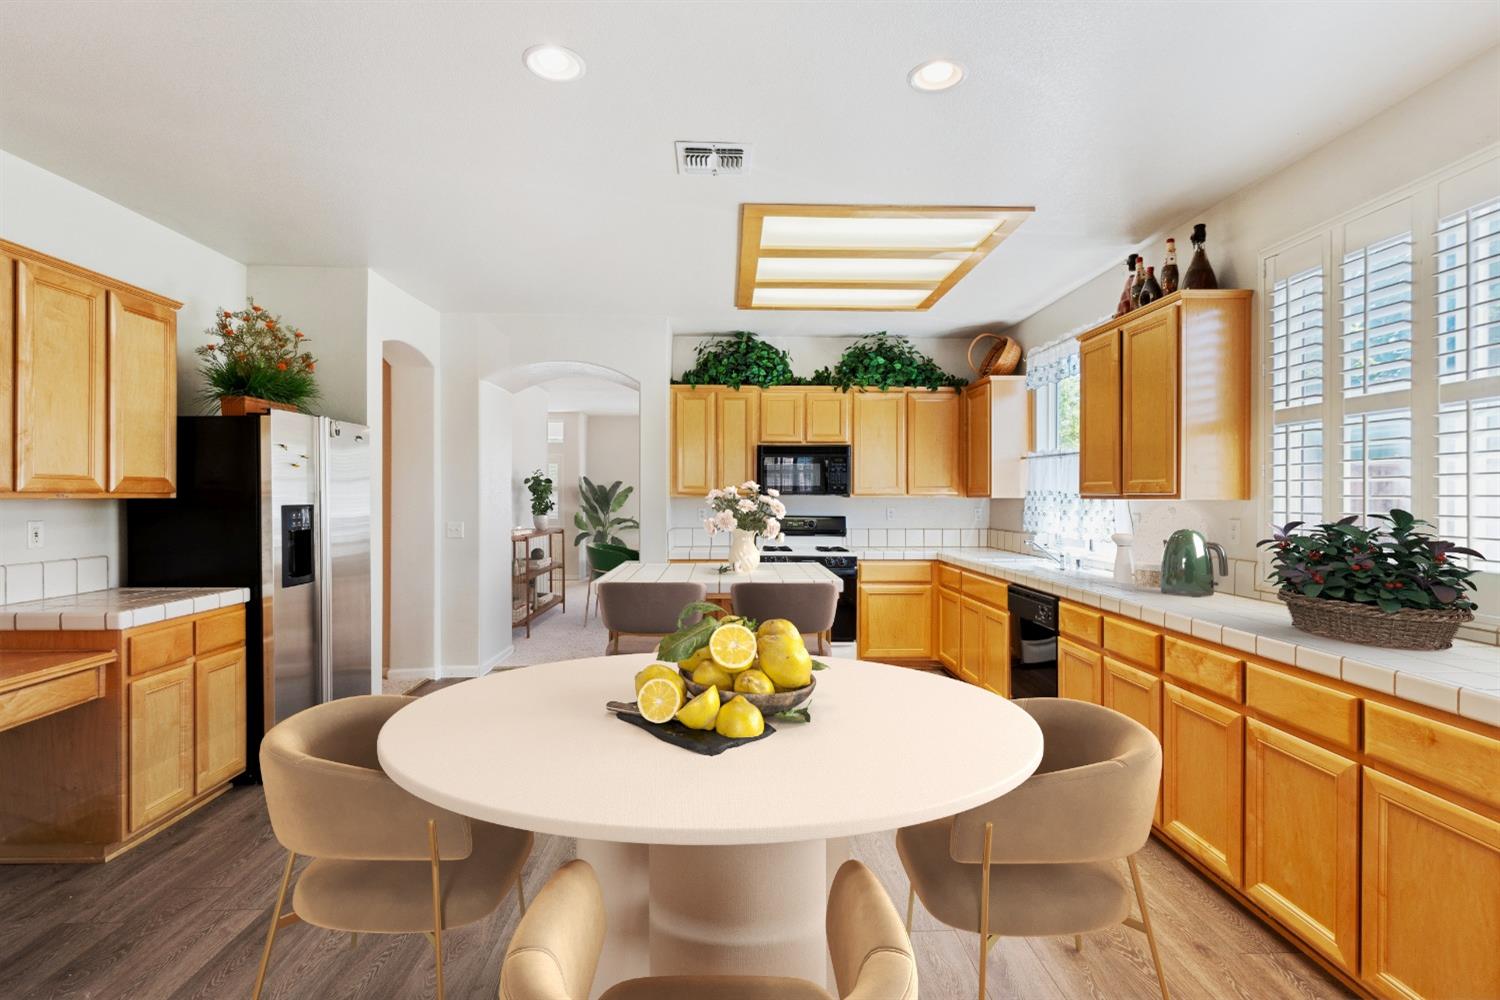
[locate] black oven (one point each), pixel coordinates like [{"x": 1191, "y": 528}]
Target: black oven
[
  {"x": 804, "y": 469},
  {"x": 1033, "y": 643}
]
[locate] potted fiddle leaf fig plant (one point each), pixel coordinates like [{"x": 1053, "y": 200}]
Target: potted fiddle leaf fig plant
[
  {"x": 1389, "y": 584},
  {"x": 597, "y": 506}
]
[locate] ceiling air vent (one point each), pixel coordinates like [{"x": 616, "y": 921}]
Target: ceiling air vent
[{"x": 712, "y": 158}]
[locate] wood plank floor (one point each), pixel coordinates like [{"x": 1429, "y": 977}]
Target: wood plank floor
[{"x": 184, "y": 916}]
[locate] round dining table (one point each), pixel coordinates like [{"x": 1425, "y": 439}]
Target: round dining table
[{"x": 710, "y": 864}]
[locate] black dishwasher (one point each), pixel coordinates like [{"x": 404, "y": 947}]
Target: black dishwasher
[{"x": 1033, "y": 643}]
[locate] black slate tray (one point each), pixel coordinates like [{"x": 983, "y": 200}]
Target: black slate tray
[{"x": 704, "y": 741}]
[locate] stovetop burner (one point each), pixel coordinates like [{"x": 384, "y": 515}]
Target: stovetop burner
[
  {"x": 776, "y": 548},
  {"x": 831, "y": 548}
]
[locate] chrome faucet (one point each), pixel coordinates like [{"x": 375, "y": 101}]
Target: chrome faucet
[{"x": 1057, "y": 557}]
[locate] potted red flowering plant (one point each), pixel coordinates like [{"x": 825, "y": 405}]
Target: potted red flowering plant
[
  {"x": 256, "y": 363},
  {"x": 1390, "y": 584}
]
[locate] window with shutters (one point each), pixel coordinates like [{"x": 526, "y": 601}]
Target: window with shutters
[
  {"x": 1466, "y": 269},
  {"x": 1297, "y": 340},
  {"x": 1469, "y": 474},
  {"x": 1297, "y": 472},
  {"x": 1375, "y": 317},
  {"x": 1376, "y": 462}
]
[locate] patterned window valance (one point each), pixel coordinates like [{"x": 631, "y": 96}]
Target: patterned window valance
[{"x": 1051, "y": 363}]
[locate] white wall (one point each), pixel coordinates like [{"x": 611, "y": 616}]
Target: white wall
[
  {"x": 528, "y": 434},
  {"x": 1429, "y": 130},
  {"x": 43, "y": 211},
  {"x": 614, "y": 453},
  {"x": 331, "y": 306},
  {"x": 570, "y": 455},
  {"x": 496, "y": 476}
]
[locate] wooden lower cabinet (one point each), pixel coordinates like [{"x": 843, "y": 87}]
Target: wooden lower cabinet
[
  {"x": 1134, "y": 693},
  {"x": 1203, "y": 748},
  {"x": 971, "y": 628},
  {"x": 949, "y": 644},
  {"x": 162, "y": 764},
  {"x": 1302, "y": 839},
  {"x": 219, "y": 718},
  {"x": 1078, "y": 669},
  {"x": 1430, "y": 895},
  {"x": 895, "y": 621},
  {"x": 994, "y": 633}
]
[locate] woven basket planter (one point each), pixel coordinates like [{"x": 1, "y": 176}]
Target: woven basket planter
[{"x": 1409, "y": 628}]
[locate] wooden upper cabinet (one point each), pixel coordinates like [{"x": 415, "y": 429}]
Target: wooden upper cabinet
[
  {"x": 142, "y": 396},
  {"x": 934, "y": 464},
  {"x": 693, "y": 441},
  {"x": 996, "y": 437},
  {"x": 1099, "y": 369},
  {"x": 1430, "y": 896},
  {"x": 737, "y": 417},
  {"x": 976, "y": 440},
  {"x": 782, "y": 416},
  {"x": 879, "y": 455},
  {"x": 826, "y": 416},
  {"x": 7, "y": 373},
  {"x": 60, "y": 396},
  {"x": 1148, "y": 405}
]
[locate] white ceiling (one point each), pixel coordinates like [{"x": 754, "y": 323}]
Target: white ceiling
[
  {"x": 409, "y": 137},
  {"x": 594, "y": 396}
]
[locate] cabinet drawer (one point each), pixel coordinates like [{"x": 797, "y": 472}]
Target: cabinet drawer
[
  {"x": 1137, "y": 643},
  {"x": 219, "y": 631},
  {"x": 991, "y": 592},
  {"x": 881, "y": 571},
  {"x": 1323, "y": 712},
  {"x": 30, "y": 703},
  {"x": 1209, "y": 669},
  {"x": 1447, "y": 755},
  {"x": 1078, "y": 622},
  {"x": 159, "y": 647},
  {"x": 948, "y": 576}
]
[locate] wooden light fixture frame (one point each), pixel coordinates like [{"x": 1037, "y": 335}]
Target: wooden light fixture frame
[{"x": 752, "y": 220}]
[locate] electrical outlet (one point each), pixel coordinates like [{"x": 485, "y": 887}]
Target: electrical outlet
[
  {"x": 890, "y": 513},
  {"x": 1234, "y": 531},
  {"x": 455, "y": 529},
  {"x": 703, "y": 513},
  {"x": 979, "y": 513},
  {"x": 34, "y": 534}
]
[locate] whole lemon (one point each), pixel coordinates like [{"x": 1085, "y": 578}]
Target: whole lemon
[
  {"x": 754, "y": 681},
  {"x": 702, "y": 712},
  {"x": 712, "y": 675},
  {"x": 776, "y": 626},
  {"x": 666, "y": 673},
  {"x": 692, "y": 662},
  {"x": 740, "y": 720},
  {"x": 785, "y": 660}
]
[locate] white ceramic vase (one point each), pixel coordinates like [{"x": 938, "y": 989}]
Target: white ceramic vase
[
  {"x": 539, "y": 521},
  {"x": 743, "y": 555}
]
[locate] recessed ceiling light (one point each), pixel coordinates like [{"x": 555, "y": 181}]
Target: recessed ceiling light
[
  {"x": 939, "y": 74},
  {"x": 553, "y": 62}
]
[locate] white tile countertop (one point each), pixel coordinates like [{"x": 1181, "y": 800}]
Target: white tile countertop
[
  {"x": 716, "y": 582},
  {"x": 1464, "y": 679},
  {"x": 118, "y": 608}
]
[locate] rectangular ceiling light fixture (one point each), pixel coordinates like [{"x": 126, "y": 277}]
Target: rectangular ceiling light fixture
[{"x": 862, "y": 257}]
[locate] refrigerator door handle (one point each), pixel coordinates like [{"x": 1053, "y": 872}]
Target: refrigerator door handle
[{"x": 325, "y": 563}]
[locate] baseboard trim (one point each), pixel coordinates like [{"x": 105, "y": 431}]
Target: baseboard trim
[{"x": 457, "y": 670}]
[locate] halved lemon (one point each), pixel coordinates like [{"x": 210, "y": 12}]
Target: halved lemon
[
  {"x": 658, "y": 700},
  {"x": 732, "y": 647},
  {"x": 702, "y": 712}
]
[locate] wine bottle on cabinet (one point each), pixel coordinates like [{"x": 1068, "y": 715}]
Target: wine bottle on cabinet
[
  {"x": 1140, "y": 281},
  {"x": 1151, "y": 290},
  {"x": 1123, "y": 306},
  {"x": 1169, "y": 268},
  {"x": 1200, "y": 273}
]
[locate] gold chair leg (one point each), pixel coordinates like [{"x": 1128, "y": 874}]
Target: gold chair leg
[
  {"x": 1078, "y": 942},
  {"x": 265, "y": 957},
  {"x": 521, "y": 893},
  {"x": 985, "y": 940},
  {"x": 437, "y": 905},
  {"x": 1140, "y": 898},
  {"x": 354, "y": 939},
  {"x": 911, "y": 904}
]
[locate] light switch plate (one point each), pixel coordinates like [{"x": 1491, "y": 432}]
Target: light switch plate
[
  {"x": 890, "y": 513},
  {"x": 34, "y": 535},
  {"x": 455, "y": 529}
]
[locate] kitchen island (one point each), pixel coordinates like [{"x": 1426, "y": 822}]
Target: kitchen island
[{"x": 719, "y": 584}]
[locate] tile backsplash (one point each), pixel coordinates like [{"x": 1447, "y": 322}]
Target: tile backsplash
[{"x": 34, "y": 581}]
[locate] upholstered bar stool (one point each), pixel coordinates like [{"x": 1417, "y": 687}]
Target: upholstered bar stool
[
  {"x": 384, "y": 861},
  {"x": 555, "y": 950},
  {"x": 809, "y": 606},
  {"x": 1043, "y": 860},
  {"x": 637, "y": 615}
]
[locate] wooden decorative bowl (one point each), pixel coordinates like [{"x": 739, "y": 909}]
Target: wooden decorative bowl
[{"x": 769, "y": 704}]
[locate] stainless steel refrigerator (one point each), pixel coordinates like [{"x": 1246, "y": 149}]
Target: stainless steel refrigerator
[{"x": 280, "y": 504}]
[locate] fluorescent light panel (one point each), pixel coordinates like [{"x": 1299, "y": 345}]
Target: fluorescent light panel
[
  {"x": 892, "y": 233},
  {"x": 852, "y": 269},
  {"x": 839, "y": 298}
]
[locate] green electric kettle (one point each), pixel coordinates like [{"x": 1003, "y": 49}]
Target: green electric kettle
[{"x": 1186, "y": 567}]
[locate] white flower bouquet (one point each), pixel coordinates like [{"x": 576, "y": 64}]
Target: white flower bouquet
[{"x": 746, "y": 508}]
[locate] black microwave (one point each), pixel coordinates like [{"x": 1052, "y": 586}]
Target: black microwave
[{"x": 804, "y": 469}]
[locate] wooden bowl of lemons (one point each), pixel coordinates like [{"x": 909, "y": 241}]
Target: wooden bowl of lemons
[{"x": 770, "y": 667}]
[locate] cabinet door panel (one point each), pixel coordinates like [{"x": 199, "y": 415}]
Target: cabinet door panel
[
  {"x": 161, "y": 744},
  {"x": 1302, "y": 839},
  {"x": 142, "y": 396},
  {"x": 220, "y": 718},
  {"x": 1430, "y": 895},
  {"x": 879, "y": 453},
  {"x": 60, "y": 404},
  {"x": 1137, "y": 694},
  {"x": 7, "y": 373},
  {"x": 950, "y": 644},
  {"x": 1204, "y": 751},
  {"x": 827, "y": 417},
  {"x": 971, "y": 625},
  {"x": 933, "y": 466},
  {"x": 895, "y": 621},
  {"x": 995, "y": 666},
  {"x": 781, "y": 417},
  {"x": 1149, "y": 437},
  {"x": 978, "y": 467},
  {"x": 693, "y": 442},
  {"x": 1099, "y": 415},
  {"x": 1077, "y": 672},
  {"x": 737, "y": 417}
]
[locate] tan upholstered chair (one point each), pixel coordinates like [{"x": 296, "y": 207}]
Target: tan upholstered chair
[
  {"x": 637, "y": 615},
  {"x": 1044, "y": 859},
  {"x": 384, "y": 861},
  {"x": 809, "y": 606},
  {"x": 555, "y": 950}
]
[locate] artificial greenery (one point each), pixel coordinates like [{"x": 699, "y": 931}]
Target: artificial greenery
[
  {"x": 1392, "y": 564},
  {"x": 257, "y": 354},
  {"x": 595, "y": 518},
  {"x": 881, "y": 361},
  {"x": 737, "y": 359},
  {"x": 541, "y": 493}
]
